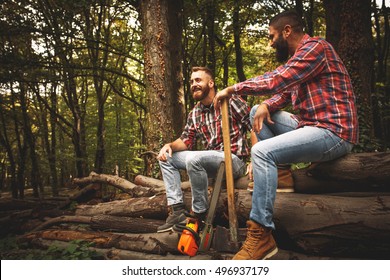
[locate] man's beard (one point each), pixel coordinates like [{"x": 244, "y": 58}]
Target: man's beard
[
  {"x": 281, "y": 47},
  {"x": 205, "y": 92}
]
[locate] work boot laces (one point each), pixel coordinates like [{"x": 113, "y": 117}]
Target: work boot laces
[{"x": 252, "y": 240}]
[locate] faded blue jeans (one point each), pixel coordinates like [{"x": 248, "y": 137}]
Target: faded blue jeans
[
  {"x": 283, "y": 143},
  {"x": 199, "y": 165}
]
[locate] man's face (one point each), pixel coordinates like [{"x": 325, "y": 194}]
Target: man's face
[
  {"x": 200, "y": 85},
  {"x": 280, "y": 44}
]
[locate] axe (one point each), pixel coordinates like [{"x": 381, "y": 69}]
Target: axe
[{"x": 233, "y": 224}]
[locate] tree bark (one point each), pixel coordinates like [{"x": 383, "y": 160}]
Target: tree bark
[
  {"x": 121, "y": 254},
  {"x": 353, "y": 172},
  {"x": 156, "y": 184},
  {"x": 327, "y": 225},
  {"x": 332, "y": 18},
  {"x": 338, "y": 226},
  {"x": 107, "y": 222},
  {"x": 161, "y": 26},
  {"x": 356, "y": 49},
  {"x": 147, "y": 207},
  {"x": 155, "y": 243},
  {"x": 237, "y": 41}
]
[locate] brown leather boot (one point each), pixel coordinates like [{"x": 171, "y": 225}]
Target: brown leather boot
[
  {"x": 259, "y": 243},
  {"x": 285, "y": 181}
]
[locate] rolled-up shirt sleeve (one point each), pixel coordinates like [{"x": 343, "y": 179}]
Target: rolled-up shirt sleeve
[
  {"x": 240, "y": 110},
  {"x": 188, "y": 135}
]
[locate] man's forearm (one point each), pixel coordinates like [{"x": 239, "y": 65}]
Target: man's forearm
[{"x": 178, "y": 145}]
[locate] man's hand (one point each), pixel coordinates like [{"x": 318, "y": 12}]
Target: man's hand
[
  {"x": 249, "y": 171},
  {"x": 262, "y": 113},
  {"x": 175, "y": 146},
  {"x": 225, "y": 93},
  {"x": 162, "y": 155}
]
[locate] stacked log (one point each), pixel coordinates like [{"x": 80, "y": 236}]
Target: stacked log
[{"x": 340, "y": 209}]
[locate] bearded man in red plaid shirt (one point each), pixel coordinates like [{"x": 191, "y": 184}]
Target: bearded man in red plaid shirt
[
  {"x": 204, "y": 124},
  {"x": 315, "y": 81}
]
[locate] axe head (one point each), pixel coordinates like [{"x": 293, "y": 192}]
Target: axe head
[{"x": 222, "y": 242}]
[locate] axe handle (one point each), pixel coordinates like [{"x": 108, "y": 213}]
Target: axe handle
[{"x": 229, "y": 171}]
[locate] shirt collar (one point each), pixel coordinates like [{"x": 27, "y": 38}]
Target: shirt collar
[
  {"x": 206, "y": 108},
  {"x": 305, "y": 38}
]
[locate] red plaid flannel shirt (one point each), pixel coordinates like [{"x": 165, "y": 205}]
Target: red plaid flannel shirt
[
  {"x": 205, "y": 123},
  {"x": 317, "y": 84}
]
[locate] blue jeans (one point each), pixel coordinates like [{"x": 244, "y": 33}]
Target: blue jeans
[
  {"x": 281, "y": 143},
  {"x": 199, "y": 165}
]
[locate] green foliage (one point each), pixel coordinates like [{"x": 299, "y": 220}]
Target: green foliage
[
  {"x": 77, "y": 58},
  {"x": 76, "y": 250},
  {"x": 300, "y": 165},
  {"x": 11, "y": 249}
]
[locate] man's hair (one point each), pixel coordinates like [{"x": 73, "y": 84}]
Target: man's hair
[
  {"x": 205, "y": 69},
  {"x": 290, "y": 17}
]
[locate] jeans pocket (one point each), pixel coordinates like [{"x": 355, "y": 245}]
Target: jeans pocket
[{"x": 338, "y": 148}]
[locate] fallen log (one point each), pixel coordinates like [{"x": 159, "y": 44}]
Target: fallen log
[
  {"x": 355, "y": 227},
  {"x": 107, "y": 223},
  {"x": 117, "y": 182},
  {"x": 353, "y": 172},
  {"x": 239, "y": 183},
  {"x": 120, "y": 254},
  {"x": 154, "y": 207},
  {"x": 324, "y": 225},
  {"x": 24, "y": 204},
  {"x": 157, "y": 184},
  {"x": 156, "y": 243}
]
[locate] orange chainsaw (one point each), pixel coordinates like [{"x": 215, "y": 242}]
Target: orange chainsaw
[{"x": 190, "y": 240}]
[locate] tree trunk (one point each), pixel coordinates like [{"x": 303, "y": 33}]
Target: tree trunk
[
  {"x": 356, "y": 49},
  {"x": 332, "y": 18},
  {"x": 209, "y": 44},
  {"x": 237, "y": 41},
  {"x": 52, "y": 152},
  {"x": 5, "y": 142},
  {"x": 161, "y": 31}
]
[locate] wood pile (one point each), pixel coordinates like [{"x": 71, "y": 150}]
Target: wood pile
[{"x": 339, "y": 210}]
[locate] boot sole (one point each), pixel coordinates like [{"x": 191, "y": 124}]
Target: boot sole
[
  {"x": 285, "y": 190},
  {"x": 165, "y": 230},
  {"x": 270, "y": 254},
  {"x": 277, "y": 190}
]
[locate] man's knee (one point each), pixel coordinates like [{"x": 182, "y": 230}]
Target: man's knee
[
  {"x": 193, "y": 162},
  {"x": 259, "y": 151}
]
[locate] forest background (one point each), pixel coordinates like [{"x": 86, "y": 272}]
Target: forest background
[{"x": 100, "y": 85}]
